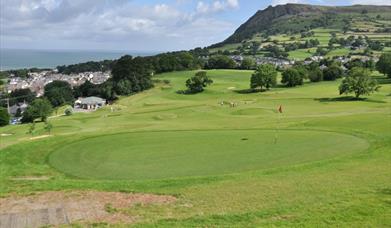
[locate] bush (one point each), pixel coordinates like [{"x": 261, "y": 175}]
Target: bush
[
  {"x": 292, "y": 77},
  {"x": 315, "y": 75},
  {"x": 332, "y": 73},
  {"x": 221, "y": 62},
  {"x": 384, "y": 64},
  {"x": 39, "y": 108},
  {"x": 248, "y": 64},
  {"x": 4, "y": 117},
  {"x": 68, "y": 111},
  {"x": 197, "y": 83}
]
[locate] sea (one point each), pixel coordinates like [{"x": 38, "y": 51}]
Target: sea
[{"x": 11, "y": 59}]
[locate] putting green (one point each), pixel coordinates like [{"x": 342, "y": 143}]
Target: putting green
[{"x": 159, "y": 155}]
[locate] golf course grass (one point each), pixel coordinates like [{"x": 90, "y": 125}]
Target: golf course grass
[
  {"x": 330, "y": 165},
  {"x": 156, "y": 155}
]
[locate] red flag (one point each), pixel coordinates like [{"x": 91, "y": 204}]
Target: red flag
[{"x": 280, "y": 109}]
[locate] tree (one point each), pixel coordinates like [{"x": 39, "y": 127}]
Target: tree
[
  {"x": 39, "y": 108},
  {"x": 32, "y": 128},
  {"x": 86, "y": 89},
  {"x": 384, "y": 64},
  {"x": 359, "y": 82},
  {"x": 292, "y": 77},
  {"x": 197, "y": 83},
  {"x": 21, "y": 95},
  {"x": 315, "y": 75},
  {"x": 332, "y": 72},
  {"x": 302, "y": 70},
  {"x": 59, "y": 93},
  {"x": 275, "y": 52},
  {"x": 102, "y": 66},
  {"x": 48, "y": 126},
  {"x": 221, "y": 62},
  {"x": 321, "y": 51},
  {"x": 4, "y": 117},
  {"x": 255, "y": 47},
  {"x": 132, "y": 75},
  {"x": 247, "y": 64},
  {"x": 264, "y": 76},
  {"x": 104, "y": 90}
]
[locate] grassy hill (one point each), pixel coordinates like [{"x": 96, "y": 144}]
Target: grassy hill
[
  {"x": 284, "y": 24},
  {"x": 323, "y": 162}
]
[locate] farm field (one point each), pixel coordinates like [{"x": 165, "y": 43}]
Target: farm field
[{"x": 325, "y": 161}]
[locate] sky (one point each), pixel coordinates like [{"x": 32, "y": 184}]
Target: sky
[{"x": 131, "y": 25}]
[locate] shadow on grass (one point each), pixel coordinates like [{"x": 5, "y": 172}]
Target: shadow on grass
[
  {"x": 382, "y": 79},
  {"x": 187, "y": 92},
  {"x": 248, "y": 91},
  {"x": 385, "y": 191},
  {"x": 347, "y": 98}
]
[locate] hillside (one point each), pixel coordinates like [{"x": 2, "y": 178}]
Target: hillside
[
  {"x": 284, "y": 26},
  {"x": 294, "y": 18}
]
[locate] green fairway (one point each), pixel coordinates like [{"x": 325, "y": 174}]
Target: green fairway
[
  {"x": 197, "y": 153},
  {"x": 329, "y": 167}
]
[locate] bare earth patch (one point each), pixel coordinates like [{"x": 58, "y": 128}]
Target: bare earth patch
[
  {"x": 55, "y": 208},
  {"x": 40, "y": 137},
  {"x": 31, "y": 178}
]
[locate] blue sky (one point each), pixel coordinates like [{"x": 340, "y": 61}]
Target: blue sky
[{"x": 154, "y": 25}]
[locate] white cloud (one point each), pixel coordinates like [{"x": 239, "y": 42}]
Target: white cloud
[
  {"x": 216, "y": 6},
  {"x": 283, "y": 2},
  {"x": 371, "y": 2},
  {"x": 108, "y": 25},
  {"x": 202, "y": 7},
  {"x": 233, "y": 3}
]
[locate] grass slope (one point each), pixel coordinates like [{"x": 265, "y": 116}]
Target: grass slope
[{"x": 344, "y": 183}]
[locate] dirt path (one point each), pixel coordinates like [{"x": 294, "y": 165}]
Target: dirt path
[{"x": 55, "y": 208}]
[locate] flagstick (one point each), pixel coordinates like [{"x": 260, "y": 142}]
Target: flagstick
[
  {"x": 279, "y": 113},
  {"x": 277, "y": 128}
]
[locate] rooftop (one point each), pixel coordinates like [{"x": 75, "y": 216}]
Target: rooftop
[{"x": 91, "y": 100}]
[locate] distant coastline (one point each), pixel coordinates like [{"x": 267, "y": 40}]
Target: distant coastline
[{"x": 11, "y": 59}]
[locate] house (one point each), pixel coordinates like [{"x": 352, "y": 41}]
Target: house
[
  {"x": 323, "y": 67},
  {"x": 90, "y": 103},
  {"x": 18, "y": 109},
  {"x": 237, "y": 58}
]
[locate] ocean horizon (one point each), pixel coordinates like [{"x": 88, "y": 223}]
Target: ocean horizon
[{"x": 12, "y": 59}]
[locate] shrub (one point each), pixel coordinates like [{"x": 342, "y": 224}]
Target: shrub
[
  {"x": 68, "y": 111},
  {"x": 221, "y": 62},
  {"x": 332, "y": 73},
  {"x": 384, "y": 64},
  {"x": 39, "y": 108},
  {"x": 315, "y": 75},
  {"x": 292, "y": 77},
  {"x": 197, "y": 83},
  {"x": 4, "y": 117}
]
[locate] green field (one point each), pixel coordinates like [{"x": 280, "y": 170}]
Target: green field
[
  {"x": 301, "y": 54},
  {"x": 325, "y": 161},
  {"x": 172, "y": 154}
]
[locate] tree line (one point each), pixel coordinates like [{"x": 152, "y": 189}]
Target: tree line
[
  {"x": 131, "y": 75},
  {"x": 356, "y": 80}
]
